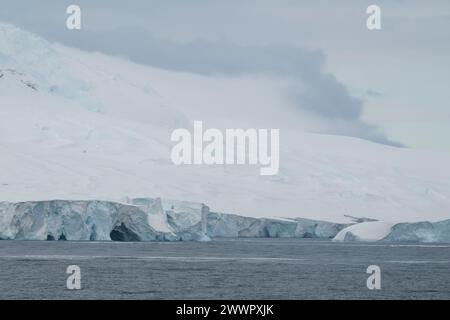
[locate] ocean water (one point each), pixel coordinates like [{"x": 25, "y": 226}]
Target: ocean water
[{"x": 223, "y": 269}]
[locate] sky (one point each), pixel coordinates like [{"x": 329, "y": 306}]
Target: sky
[{"x": 389, "y": 85}]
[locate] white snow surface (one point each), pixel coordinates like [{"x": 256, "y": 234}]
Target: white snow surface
[
  {"x": 365, "y": 231},
  {"x": 82, "y": 126}
]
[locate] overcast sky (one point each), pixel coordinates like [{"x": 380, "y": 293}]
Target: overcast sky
[{"x": 390, "y": 85}]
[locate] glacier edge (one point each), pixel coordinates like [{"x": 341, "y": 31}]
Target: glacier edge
[{"x": 156, "y": 219}]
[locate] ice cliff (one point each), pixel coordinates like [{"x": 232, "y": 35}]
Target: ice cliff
[
  {"x": 79, "y": 220},
  {"x": 155, "y": 219},
  {"x": 421, "y": 232},
  {"x": 144, "y": 219},
  {"x": 424, "y": 231}
]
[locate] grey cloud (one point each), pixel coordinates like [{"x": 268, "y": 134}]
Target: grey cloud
[
  {"x": 325, "y": 96},
  {"x": 373, "y": 93},
  {"x": 415, "y": 33}
]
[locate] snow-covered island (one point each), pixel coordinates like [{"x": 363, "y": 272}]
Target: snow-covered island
[{"x": 88, "y": 128}]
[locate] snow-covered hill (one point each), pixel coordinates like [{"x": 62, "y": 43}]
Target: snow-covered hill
[{"x": 85, "y": 126}]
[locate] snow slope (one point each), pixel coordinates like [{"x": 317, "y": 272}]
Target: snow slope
[
  {"x": 85, "y": 126},
  {"x": 365, "y": 231}
]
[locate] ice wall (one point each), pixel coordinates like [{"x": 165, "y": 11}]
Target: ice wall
[
  {"x": 76, "y": 220},
  {"x": 421, "y": 232},
  {"x": 234, "y": 226},
  {"x": 144, "y": 219},
  {"x": 388, "y": 231}
]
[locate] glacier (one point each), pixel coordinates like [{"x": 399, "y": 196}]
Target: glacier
[
  {"x": 78, "y": 220},
  {"x": 423, "y": 231},
  {"x": 235, "y": 226},
  {"x": 157, "y": 219},
  {"x": 81, "y": 125},
  {"x": 144, "y": 219}
]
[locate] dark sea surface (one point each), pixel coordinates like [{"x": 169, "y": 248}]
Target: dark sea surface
[{"x": 223, "y": 269}]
